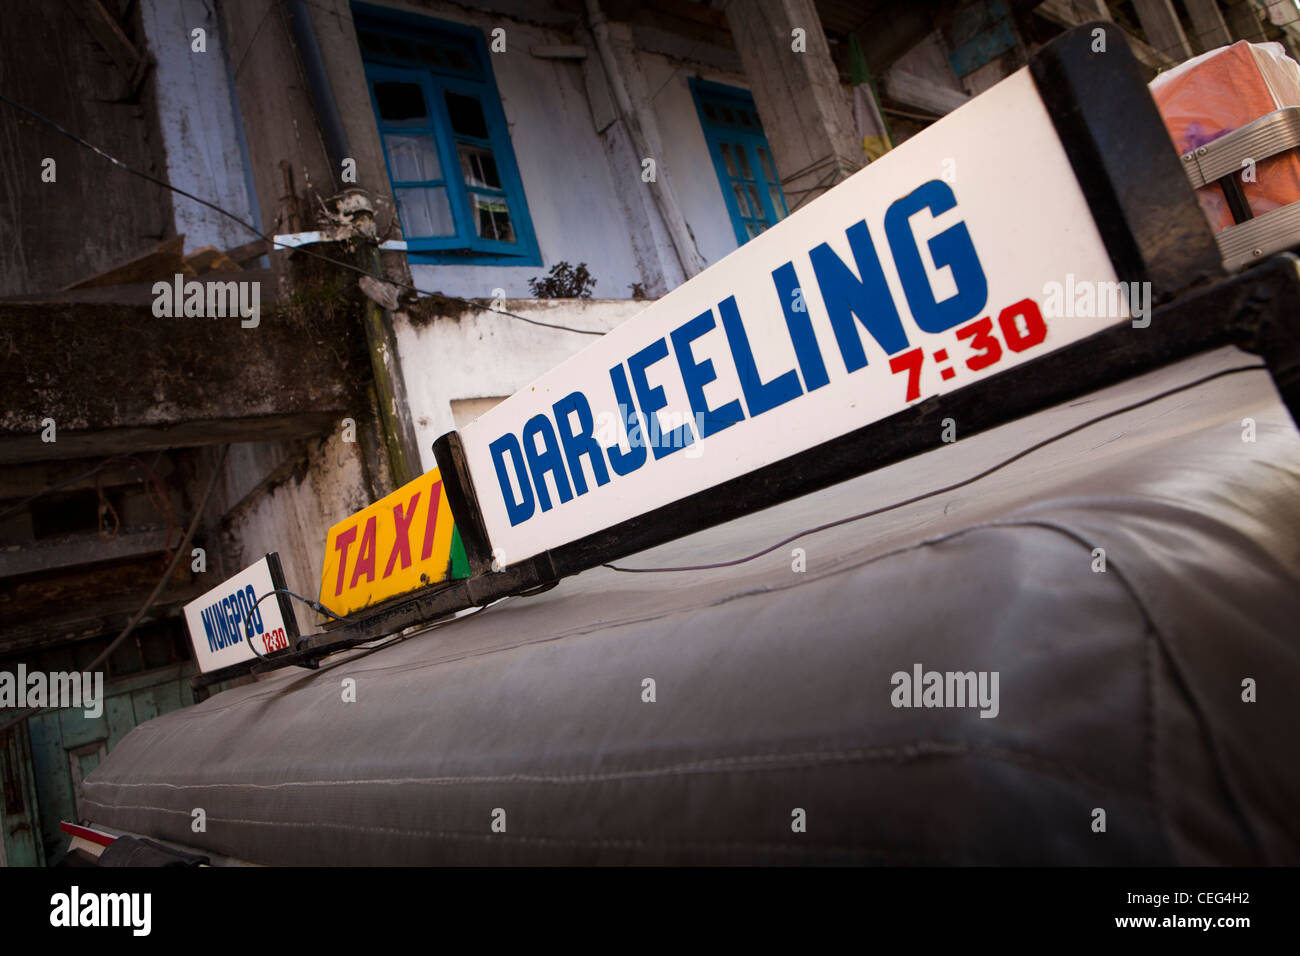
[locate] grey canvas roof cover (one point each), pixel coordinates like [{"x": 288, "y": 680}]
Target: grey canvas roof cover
[{"x": 1119, "y": 690}]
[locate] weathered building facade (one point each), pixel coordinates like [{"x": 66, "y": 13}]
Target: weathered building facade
[{"x": 485, "y": 145}]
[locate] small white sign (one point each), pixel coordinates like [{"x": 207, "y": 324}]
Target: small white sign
[
  {"x": 941, "y": 263},
  {"x": 219, "y": 620}
]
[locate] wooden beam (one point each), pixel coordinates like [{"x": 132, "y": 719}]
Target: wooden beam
[
  {"x": 249, "y": 251},
  {"x": 688, "y": 10},
  {"x": 1163, "y": 29},
  {"x": 81, "y": 549},
  {"x": 190, "y": 434},
  {"x": 1208, "y": 24},
  {"x": 1243, "y": 18},
  {"x": 161, "y": 262},
  {"x": 103, "y": 26},
  {"x": 24, "y": 480},
  {"x": 210, "y": 259}
]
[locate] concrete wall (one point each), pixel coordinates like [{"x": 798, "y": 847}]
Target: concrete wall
[
  {"x": 687, "y": 152},
  {"x": 197, "y": 119},
  {"x": 284, "y": 497},
  {"x": 483, "y": 355}
]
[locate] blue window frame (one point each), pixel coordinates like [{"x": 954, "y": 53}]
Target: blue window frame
[
  {"x": 741, "y": 157},
  {"x": 446, "y": 143}
]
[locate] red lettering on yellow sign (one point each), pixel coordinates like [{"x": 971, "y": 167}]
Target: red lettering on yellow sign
[{"x": 386, "y": 531}]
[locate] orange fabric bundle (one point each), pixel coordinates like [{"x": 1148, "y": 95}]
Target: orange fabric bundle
[{"x": 1223, "y": 90}]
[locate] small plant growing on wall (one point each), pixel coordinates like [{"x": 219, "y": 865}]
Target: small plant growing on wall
[{"x": 563, "y": 282}]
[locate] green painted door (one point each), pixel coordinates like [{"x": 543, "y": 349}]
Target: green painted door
[
  {"x": 20, "y": 843},
  {"x": 66, "y": 745}
]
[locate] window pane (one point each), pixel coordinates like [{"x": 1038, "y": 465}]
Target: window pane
[
  {"x": 478, "y": 166},
  {"x": 755, "y": 203},
  {"x": 728, "y": 159},
  {"x": 765, "y": 160},
  {"x": 751, "y": 228},
  {"x": 412, "y": 158},
  {"x": 778, "y": 201},
  {"x": 400, "y": 101},
  {"x": 457, "y": 60},
  {"x": 742, "y": 154},
  {"x": 429, "y": 54},
  {"x": 466, "y": 115},
  {"x": 740, "y": 199},
  {"x": 371, "y": 42},
  {"x": 424, "y": 212},
  {"x": 492, "y": 217},
  {"x": 744, "y": 117},
  {"x": 401, "y": 48}
]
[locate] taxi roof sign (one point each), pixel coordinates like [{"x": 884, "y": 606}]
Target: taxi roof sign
[
  {"x": 779, "y": 368},
  {"x": 219, "y": 621},
  {"x": 914, "y": 277},
  {"x": 403, "y": 542}
]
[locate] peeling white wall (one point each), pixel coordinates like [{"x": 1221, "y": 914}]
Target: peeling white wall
[
  {"x": 197, "y": 116},
  {"x": 484, "y": 355},
  {"x": 687, "y": 152},
  {"x": 294, "y": 517}
]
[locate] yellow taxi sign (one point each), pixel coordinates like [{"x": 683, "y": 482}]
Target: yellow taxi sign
[{"x": 403, "y": 542}]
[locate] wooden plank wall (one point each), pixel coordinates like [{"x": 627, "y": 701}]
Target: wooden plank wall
[{"x": 94, "y": 214}]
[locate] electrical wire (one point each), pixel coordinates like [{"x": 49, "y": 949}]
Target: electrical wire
[
  {"x": 153, "y": 595},
  {"x": 248, "y": 624},
  {"x": 947, "y": 488},
  {"x": 149, "y": 177}
]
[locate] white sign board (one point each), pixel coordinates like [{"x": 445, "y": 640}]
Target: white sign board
[
  {"x": 945, "y": 261},
  {"x": 217, "y": 620}
]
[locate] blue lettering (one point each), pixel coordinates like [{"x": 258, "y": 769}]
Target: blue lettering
[
  {"x": 800, "y": 326},
  {"x": 653, "y": 399},
  {"x": 521, "y": 510},
  {"x": 952, "y": 248},
  {"x": 760, "y": 396},
  {"x": 624, "y": 463},
  {"x": 231, "y": 612},
  {"x": 540, "y": 462},
  {"x": 210, "y": 628},
  {"x": 868, "y": 298},
  {"x": 222, "y": 617},
  {"x": 581, "y": 443},
  {"x": 695, "y": 375},
  {"x": 254, "y": 609},
  {"x": 240, "y": 604}
]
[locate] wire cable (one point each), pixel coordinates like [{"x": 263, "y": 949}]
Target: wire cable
[
  {"x": 248, "y": 623},
  {"x": 149, "y": 177},
  {"x": 947, "y": 488}
]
